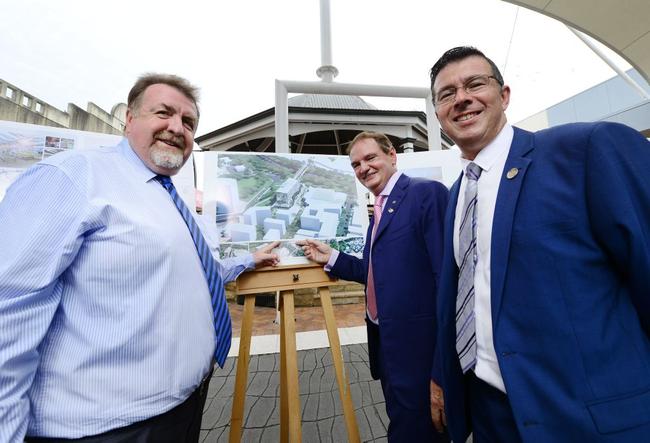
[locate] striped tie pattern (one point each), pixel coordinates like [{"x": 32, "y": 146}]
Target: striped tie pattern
[
  {"x": 465, "y": 322},
  {"x": 222, "y": 324},
  {"x": 370, "y": 285}
]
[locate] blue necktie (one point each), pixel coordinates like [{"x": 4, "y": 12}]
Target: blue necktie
[
  {"x": 215, "y": 284},
  {"x": 465, "y": 322}
]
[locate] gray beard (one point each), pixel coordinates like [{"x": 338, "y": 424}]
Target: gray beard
[{"x": 166, "y": 159}]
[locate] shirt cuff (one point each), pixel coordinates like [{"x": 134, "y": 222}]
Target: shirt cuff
[{"x": 332, "y": 261}]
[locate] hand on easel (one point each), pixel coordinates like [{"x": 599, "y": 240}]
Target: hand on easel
[
  {"x": 265, "y": 257},
  {"x": 315, "y": 250}
]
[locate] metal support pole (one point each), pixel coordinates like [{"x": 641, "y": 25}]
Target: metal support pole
[
  {"x": 327, "y": 71},
  {"x": 281, "y": 118},
  {"x": 629, "y": 80}
]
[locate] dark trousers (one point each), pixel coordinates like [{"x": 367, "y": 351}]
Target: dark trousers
[
  {"x": 181, "y": 424},
  {"x": 490, "y": 413},
  {"x": 406, "y": 425}
]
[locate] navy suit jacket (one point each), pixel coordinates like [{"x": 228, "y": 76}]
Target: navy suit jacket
[
  {"x": 407, "y": 254},
  {"x": 570, "y": 287}
]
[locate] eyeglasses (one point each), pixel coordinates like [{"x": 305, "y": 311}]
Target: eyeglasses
[{"x": 472, "y": 86}]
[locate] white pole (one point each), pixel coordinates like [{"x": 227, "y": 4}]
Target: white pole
[
  {"x": 283, "y": 87},
  {"x": 433, "y": 126},
  {"x": 281, "y": 118},
  {"x": 327, "y": 71},
  {"x": 325, "y": 33},
  {"x": 629, "y": 80}
]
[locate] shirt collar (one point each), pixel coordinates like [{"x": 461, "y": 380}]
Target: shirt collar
[
  {"x": 488, "y": 156},
  {"x": 390, "y": 184},
  {"x": 141, "y": 170}
]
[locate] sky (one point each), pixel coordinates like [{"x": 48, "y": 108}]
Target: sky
[{"x": 78, "y": 51}]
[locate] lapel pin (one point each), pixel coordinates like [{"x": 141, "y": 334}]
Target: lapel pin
[
  {"x": 390, "y": 210},
  {"x": 394, "y": 201},
  {"x": 512, "y": 173}
]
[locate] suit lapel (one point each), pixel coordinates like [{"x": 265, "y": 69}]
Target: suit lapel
[
  {"x": 507, "y": 197},
  {"x": 392, "y": 205},
  {"x": 450, "y": 216}
]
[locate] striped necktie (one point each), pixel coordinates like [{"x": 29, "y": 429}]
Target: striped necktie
[
  {"x": 465, "y": 322},
  {"x": 215, "y": 284}
]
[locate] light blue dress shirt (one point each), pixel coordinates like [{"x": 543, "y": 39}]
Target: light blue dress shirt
[{"x": 105, "y": 314}]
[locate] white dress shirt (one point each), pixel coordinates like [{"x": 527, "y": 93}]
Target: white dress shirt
[
  {"x": 105, "y": 312},
  {"x": 492, "y": 160}
]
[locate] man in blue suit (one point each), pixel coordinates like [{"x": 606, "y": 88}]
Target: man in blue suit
[
  {"x": 544, "y": 301},
  {"x": 400, "y": 268}
]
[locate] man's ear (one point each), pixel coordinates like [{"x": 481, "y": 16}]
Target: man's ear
[
  {"x": 505, "y": 96},
  {"x": 129, "y": 118}
]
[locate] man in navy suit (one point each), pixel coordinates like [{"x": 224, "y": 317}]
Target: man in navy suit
[
  {"x": 400, "y": 268},
  {"x": 544, "y": 301}
]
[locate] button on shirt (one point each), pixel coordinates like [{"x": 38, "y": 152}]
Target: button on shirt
[
  {"x": 492, "y": 160},
  {"x": 105, "y": 313}
]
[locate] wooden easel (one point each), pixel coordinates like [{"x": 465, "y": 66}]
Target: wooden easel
[{"x": 286, "y": 279}]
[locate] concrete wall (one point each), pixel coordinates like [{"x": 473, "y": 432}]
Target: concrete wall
[
  {"x": 19, "y": 106},
  {"x": 612, "y": 100},
  {"x": 88, "y": 121}
]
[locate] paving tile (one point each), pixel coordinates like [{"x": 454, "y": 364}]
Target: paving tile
[
  {"x": 310, "y": 409},
  {"x": 216, "y": 413},
  {"x": 216, "y": 436},
  {"x": 381, "y": 410},
  {"x": 310, "y": 432},
  {"x": 269, "y": 362},
  {"x": 260, "y": 412},
  {"x": 325, "y": 405},
  {"x": 251, "y": 435},
  {"x": 273, "y": 388},
  {"x": 321, "y": 410},
  {"x": 377, "y": 427},
  {"x": 325, "y": 429},
  {"x": 365, "y": 434},
  {"x": 376, "y": 393},
  {"x": 339, "y": 430},
  {"x": 259, "y": 383},
  {"x": 271, "y": 434}
]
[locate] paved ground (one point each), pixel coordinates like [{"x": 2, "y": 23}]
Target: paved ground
[{"x": 322, "y": 414}]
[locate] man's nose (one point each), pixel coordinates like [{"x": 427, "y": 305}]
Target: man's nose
[
  {"x": 462, "y": 96},
  {"x": 175, "y": 124},
  {"x": 363, "y": 167}
]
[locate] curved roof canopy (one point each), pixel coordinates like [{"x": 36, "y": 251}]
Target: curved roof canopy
[{"x": 621, "y": 25}]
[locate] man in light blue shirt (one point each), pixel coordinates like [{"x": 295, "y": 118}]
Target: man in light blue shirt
[{"x": 106, "y": 325}]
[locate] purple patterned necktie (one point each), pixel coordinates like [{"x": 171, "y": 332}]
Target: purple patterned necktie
[{"x": 465, "y": 322}]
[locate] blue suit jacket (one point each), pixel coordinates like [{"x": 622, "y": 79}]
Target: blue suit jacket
[
  {"x": 407, "y": 254},
  {"x": 570, "y": 287}
]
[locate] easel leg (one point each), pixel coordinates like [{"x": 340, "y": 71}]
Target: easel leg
[
  {"x": 241, "y": 379},
  {"x": 289, "y": 377},
  {"x": 284, "y": 409},
  {"x": 337, "y": 357}
]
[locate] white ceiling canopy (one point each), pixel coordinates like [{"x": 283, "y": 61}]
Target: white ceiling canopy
[{"x": 622, "y": 25}]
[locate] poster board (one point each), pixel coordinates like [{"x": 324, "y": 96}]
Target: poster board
[
  {"x": 257, "y": 198},
  {"x": 23, "y": 145},
  {"x": 443, "y": 166}
]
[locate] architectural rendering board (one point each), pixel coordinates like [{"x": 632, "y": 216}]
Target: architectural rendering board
[
  {"x": 23, "y": 145},
  {"x": 258, "y": 198},
  {"x": 443, "y": 166}
]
